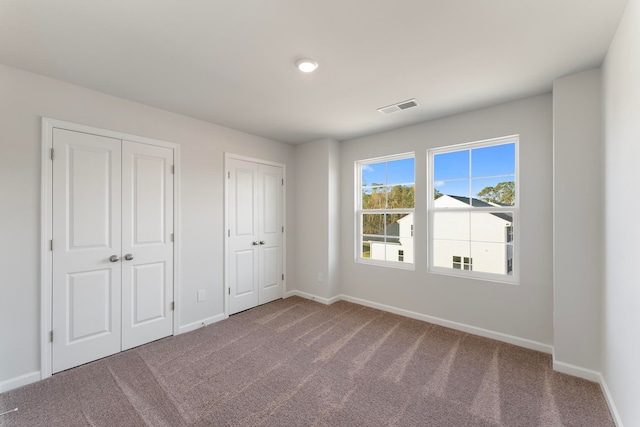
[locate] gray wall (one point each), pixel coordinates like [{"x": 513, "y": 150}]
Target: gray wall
[
  {"x": 578, "y": 209},
  {"x": 523, "y": 310},
  {"x": 24, "y": 99},
  {"x": 621, "y": 296},
  {"x": 317, "y": 187}
]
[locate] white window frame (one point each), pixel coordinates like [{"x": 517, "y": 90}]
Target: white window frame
[
  {"x": 359, "y": 212},
  {"x": 514, "y": 278}
]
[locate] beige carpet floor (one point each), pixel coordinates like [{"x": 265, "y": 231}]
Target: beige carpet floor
[{"x": 295, "y": 362}]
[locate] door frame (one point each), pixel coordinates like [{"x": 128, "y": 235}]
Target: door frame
[
  {"x": 227, "y": 157},
  {"x": 46, "y": 228}
]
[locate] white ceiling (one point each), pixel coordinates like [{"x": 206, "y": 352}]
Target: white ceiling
[{"x": 231, "y": 62}]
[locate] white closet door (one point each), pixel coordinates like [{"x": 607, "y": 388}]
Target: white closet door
[
  {"x": 243, "y": 243},
  {"x": 270, "y": 233},
  {"x": 147, "y": 247},
  {"x": 86, "y": 239}
]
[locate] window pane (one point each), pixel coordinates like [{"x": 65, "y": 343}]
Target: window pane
[
  {"x": 458, "y": 192},
  {"x": 490, "y": 226},
  {"x": 404, "y": 223},
  {"x": 392, "y": 228},
  {"x": 366, "y": 249},
  {"x": 401, "y": 172},
  {"x": 500, "y": 190},
  {"x": 373, "y": 224},
  {"x": 451, "y": 226},
  {"x": 374, "y": 198},
  {"x": 491, "y": 257},
  {"x": 453, "y": 165},
  {"x": 401, "y": 197},
  {"x": 445, "y": 250},
  {"x": 374, "y": 173},
  {"x": 494, "y": 160}
]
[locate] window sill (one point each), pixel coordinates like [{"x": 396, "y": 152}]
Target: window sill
[
  {"x": 474, "y": 275},
  {"x": 390, "y": 264}
]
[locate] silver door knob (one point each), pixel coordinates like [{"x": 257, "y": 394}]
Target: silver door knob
[
  {"x": 114, "y": 258},
  {"x": 128, "y": 257},
  {"x": 262, "y": 242},
  {"x": 255, "y": 243}
]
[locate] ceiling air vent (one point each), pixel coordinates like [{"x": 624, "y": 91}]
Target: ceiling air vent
[{"x": 410, "y": 103}]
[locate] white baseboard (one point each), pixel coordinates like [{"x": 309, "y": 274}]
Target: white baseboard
[
  {"x": 20, "y": 381},
  {"x": 499, "y": 336},
  {"x": 612, "y": 406},
  {"x": 521, "y": 342},
  {"x": 200, "y": 323},
  {"x": 312, "y": 297},
  {"x": 577, "y": 371}
]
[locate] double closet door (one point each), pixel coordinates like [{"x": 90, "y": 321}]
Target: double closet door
[
  {"x": 255, "y": 234},
  {"x": 112, "y": 246}
]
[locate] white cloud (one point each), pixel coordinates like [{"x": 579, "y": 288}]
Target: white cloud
[
  {"x": 438, "y": 183},
  {"x": 367, "y": 168}
]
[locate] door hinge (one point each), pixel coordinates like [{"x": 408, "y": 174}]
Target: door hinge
[
  {"x": 283, "y": 277},
  {"x": 229, "y": 291},
  {"x": 51, "y": 245},
  {"x": 173, "y": 169},
  {"x": 283, "y": 228},
  {"x": 50, "y": 336},
  {"x": 52, "y": 156},
  {"x": 172, "y": 238},
  {"x": 229, "y": 233},
  {"x": 282, "y": 181},
  {"x": 172, "y": 306},
  {"x": 229, "y": 175}
]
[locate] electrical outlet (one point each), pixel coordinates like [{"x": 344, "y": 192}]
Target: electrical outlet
[
  {"x": 320, "y": 277},
  {"x": 201, "y": 295}
]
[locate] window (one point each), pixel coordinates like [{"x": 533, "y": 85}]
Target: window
[
  {"x": 462, "y": 263},
  {"x": 473, "y": 209},
  {"x": 385, "y": 208}
]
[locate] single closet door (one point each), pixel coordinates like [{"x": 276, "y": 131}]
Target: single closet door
[
  {"x": 112, "y": 247},
  {"x": 147, "y": 244},
  {"x": 254, "y": 250},
  {"x": 86, "y": 248}
]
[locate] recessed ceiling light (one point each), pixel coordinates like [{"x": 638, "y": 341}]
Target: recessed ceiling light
[{"x": 307, "y": 65}]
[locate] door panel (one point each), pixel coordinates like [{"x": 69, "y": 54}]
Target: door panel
[
  {"x": 243, "y": 240},
  {"x": 271, "y": 272},
  {"x": 86, "y": 233},
  {"x": 149, "y": 204},
  {"x": 88, "y": 300},
  {"x": 244, "y": 270},
  {"x": 270, "y": 206},
  {"x": 89, "y": 176},
  {"x": 245, "y": 201},
  {"x": 270, "y": 231},
  {"x": 147, "y": 225},
  {"x": 148, "y": 293}
]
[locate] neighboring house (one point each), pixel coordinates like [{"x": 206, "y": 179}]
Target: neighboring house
[
  {"x": 479, "y": 242},
  {"x": 399, "y": 246}
]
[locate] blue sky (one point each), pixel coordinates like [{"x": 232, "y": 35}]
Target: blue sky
[
  {"x": 489, "y": 166},
  {"x": 399, "y": 172}
]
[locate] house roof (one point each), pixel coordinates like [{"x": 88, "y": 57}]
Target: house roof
[
  {"x": 393, "y": 234},
  {"x": 477, "y": 203}
]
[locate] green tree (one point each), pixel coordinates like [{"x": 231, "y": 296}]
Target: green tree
[
  {"x": 503, "y": 193},
  {"x": 437, "y": 194},
  {"x": 384, "y": 197}
]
